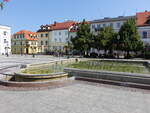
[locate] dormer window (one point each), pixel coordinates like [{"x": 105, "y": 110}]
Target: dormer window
[
  {"x": 30, "y": 35},
  {"x": 148, "y": 21}
]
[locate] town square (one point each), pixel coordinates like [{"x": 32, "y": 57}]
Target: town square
[{"x": 68, "y": 56}]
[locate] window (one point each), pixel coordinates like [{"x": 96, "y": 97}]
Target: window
[
  {"x": 41, "y": 35},
  {"x": 144, "y": 34},
  {"x": 20, "y": 43},
  {"x": 67, "y": 39},
  {"x": 5, "y": 33},
  {"x": 14, "y": 43},
  {"x": 41, "y": 42},
  {"x": 104, "y": 25},
  {"x": 46, "y": 35},
  {"x": 66, "y": 33},
  {"x": 93, "y": 26},
  {"x": 59, "y": 33},
  {"x": 60, "y": 40},
  {"x": 118, "y": 25},
  {"x": 5, "y": 41},
  {"x": 27, "y": 42},
  {"x": 22, "y": 35},
  {"x": 98, "y": 26},
  {"x": 111, "y": 24},
  {"x": 17, "y": 36},
  {"x": 46, "y": 42}
]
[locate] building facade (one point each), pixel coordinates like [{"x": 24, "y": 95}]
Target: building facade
[
  {"x": 115, "y": 23},
  {"x": 143, "y": 24},
  {"x": 24, "y": 42},
  {"x": 43, "y": 38},
  {"x": 57, "y": 36},
  {"x": 5, "y": 40}
]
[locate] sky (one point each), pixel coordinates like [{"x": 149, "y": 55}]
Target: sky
[{"x": 30, "y": 14}]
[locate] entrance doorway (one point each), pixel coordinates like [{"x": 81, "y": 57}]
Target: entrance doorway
[{"x": 27, "y": 51}]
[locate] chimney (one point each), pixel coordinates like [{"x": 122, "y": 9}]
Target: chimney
[{"x": 55, "y": 22}]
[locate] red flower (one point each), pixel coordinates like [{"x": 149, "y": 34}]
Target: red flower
[{"x": 6, "y": 0}]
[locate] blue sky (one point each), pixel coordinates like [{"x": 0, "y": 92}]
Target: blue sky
[{"x": 30, "y": 14}]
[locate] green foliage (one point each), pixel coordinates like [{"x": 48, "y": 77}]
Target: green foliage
[
  {"x": 82, "y": 41},
  {"x": 105, "y": 38},
  {"x": 1, "y": 5},
  {"x": 129, "y": 37},
  {"x": 111, "y": 66}
]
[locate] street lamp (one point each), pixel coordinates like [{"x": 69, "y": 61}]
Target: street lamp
[{"x": 21, "y": 47}]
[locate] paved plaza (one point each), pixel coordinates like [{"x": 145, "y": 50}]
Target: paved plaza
[
  {"x": 11, "y": 63},
  {"x": 74, "y": 97},
  {"x": 79, "y": 97}
]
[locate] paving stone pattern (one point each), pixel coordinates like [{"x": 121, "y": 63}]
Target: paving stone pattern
[
  {"x": 80, "y": 97},
  {"x": 76, "y": 98}
]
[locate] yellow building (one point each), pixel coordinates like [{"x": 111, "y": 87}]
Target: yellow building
[
  {"x": 24, "y": 42},
  {"x": 43, "y": 38}
]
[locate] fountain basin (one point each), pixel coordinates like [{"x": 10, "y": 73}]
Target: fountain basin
[{"x": 22, "y": 77}]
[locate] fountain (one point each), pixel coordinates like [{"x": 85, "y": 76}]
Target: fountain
[{"x": 38, "y": 75}]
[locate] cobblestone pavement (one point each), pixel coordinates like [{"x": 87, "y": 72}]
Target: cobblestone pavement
[{"x": 77, "y": 98}]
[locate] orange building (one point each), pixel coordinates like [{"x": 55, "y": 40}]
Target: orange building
[{"x": 24, "y": 42}]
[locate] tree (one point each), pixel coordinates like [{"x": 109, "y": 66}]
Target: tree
[
  {"x": 3, "y": 3},
  {"x": 105, "y": 39},
  {"x": 82, "y": 42},
  {"x": 129, "y": 37}
]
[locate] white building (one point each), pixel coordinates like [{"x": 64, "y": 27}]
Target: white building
[
  {"x": 5, "y": 40},
  {"x": 116, "y": 23},
  {"x": 143, "y": 24},
  {"x": 57, "y": 36}
]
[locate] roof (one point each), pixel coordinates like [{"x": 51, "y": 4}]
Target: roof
[
  {"x": 74, "y": 27},
  {"x": 143, "y": 18},
  {"x": 28, "y": 34},
  {"x": 119, "y": 18},
  {"x": 56, "y": 26},
  {"x": 63, "y": 25},
  {"x": 5, "y": 27}
]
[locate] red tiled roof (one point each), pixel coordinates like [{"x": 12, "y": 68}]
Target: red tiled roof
[
  {"x": 60, "y": 26},
  {"x": 27, "y": 34},
  {"x": 63, "y": 25},
  {"x": 74, "y": 27},
  {"x": 142, "y": 18}
]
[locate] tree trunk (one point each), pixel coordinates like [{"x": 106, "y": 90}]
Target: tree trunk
[{"x": 128, "y": 54}]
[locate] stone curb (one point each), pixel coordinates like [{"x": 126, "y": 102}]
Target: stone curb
[
  {"x": 143, "y": 79},
  {"x": 117, "y": 83},
  {"x": 29, "y": 84}
]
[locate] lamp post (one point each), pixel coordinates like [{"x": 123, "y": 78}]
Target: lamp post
[
  {"x": 6, "y": 49},
  {"x": 21, "y": 47},
  {"x": 118, "y": 38}
]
